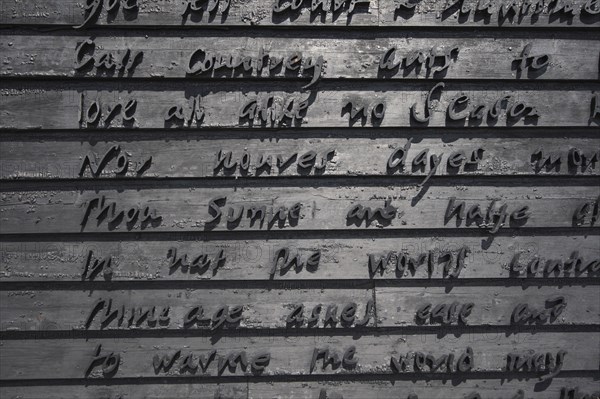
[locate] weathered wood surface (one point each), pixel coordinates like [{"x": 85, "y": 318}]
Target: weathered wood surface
[
  {"x": 26, "y": 310},
  {"x": 465, "y": 13},
  {"x": 432, "y": 389},
  {"x": 492, "y": 305},
  {"x": 183, "y": 209},
  {"x": 53, "y": 105},
  {"x": 260, "y": 12},
  {"x": 290, "y": 355},
  {"x": 146, "y": 259},
  {"x": 169, "y": 56},
  {"x": 194, "y": 155},
  {"x": 57, "y": 264},
  {"x": 147, "y": 391},
  {"x": 383, "y": 388},
  {"x": 267, "y": 309}
]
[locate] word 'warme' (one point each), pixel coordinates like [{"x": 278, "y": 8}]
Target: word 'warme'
[
  {"x": 274, "y": 110},
  {"x": 189, "y": 362},
  {"x": 260, "y": 213},
  {"x": 537, "y": 266},
  {"x": 531, "y": 360},
  {"x": 434, "y": 60},
  {"x": 106, "y": 61},
  {"x": 420, "y": 362},
  {"x": 451, "y": 264},
  {"x": 305, "y": 162},
  {"x": 97, "y": 164},
  {"x": 462, "y": 108},
  {"x": 206, "y": 62},
  {"x": 345, "y": 317},
  {"x": 494, "y": 218},
  {"x": 107, "y": 210}
]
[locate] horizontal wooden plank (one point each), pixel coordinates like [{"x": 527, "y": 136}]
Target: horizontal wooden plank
[
  {"x": 180, "y": 208},
  {"x": 136, "y": 391},
  {"x": 186, "y": 155},
  {"x": 78, "y": 310},
  {"x": 377, "y": 389},
  {"x": 261, "y": 12},
  {"x": 159, "y": 56},
  {"x": 433, "y": 389},
  {"x": 491, "y": 305},
  {"x": 340, "y": 259},
  {"x": 502, "y": 13},
  {"x": 32, "y": 310},
  {"x": 291, "y": 355},
  {"x": 53, "y": 105}
]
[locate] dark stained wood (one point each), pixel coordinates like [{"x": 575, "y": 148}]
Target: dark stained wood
[
  {"x": 252, "y": 259},
  {"x": 194, "y": 155},
  {"x": 50, "y": 105},
  {"x": 183, "y": 209},
  {"x": 290, "y": 355},
  {"x": 260, "y": 12},
  {"x": 479, "y": 57}
]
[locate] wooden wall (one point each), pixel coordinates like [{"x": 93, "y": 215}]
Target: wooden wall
[{"x": 295, "y": 199}]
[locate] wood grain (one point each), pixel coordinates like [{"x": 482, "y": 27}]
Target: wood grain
[
  {"x": 269, "y": 309},
  {"x": 168, "y": 56},
  {"x": 165, "y": 127},
  {"x": 346, "y": 259},
  {"x": 52, "y": 105},
  {"x": 492, "y": 305},
  {"x": 291, "y": 355},
  {"x": 380, "y": 389},
  {"x": 260, "y": 12},
  {"x": 195, "y": 155},
  {"x": 262, "y": 309},
  {"x": 432, "y": 389},
  {"x": 140, "y": 391},
  {"x": 181, "y": 209}
]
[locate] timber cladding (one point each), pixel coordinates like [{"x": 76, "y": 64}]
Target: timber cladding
[{"x": 328, "y": 199}]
